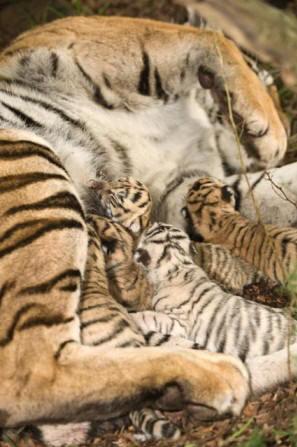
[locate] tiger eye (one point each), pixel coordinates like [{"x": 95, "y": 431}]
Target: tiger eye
[{"x": 227, "y": 193}]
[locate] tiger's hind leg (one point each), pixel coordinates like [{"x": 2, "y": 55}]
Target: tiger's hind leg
[{"x": 47, "y": 375}]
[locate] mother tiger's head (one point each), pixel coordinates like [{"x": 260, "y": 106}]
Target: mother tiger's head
[{"x": 207, "y": 201}]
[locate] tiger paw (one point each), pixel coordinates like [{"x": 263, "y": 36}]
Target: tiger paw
[
  {"x": 245, "y": 101},
  {"x": 213, "y": 385}
]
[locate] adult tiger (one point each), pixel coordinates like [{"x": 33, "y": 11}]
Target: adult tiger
[{"x": 88, "y": 89}]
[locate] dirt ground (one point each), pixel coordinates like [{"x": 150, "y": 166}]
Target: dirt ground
[{"x": 268, "y": 421}]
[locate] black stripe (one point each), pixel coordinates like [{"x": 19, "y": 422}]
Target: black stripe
[
  {"x": 20, "y": 226},
  {"x": 6, "y": 287},
  {"x": 47, "y": 106},
  {"x": 144, "y": 77},
  {"x": 48, "y": 321},
  {"x": 7, "y": 121},
  {"x": 22, "y": 84},
  {"x": 98, "y": 95},
  {"x": 107, "y": 81},
  {"x": 14, "y": 182},
  {"x": 94, "y": 306},
  {"x": 104, "y": 319},
  {"x": 210, "y": 286},
  {"x": 54, "y": 62},
  {"x": 62, "y": 346},
  {"x": 30, "y": 122},
  {"x": 16, "y": 153},
  {"x": 130, "y": 344},
  {"x": 161, "y": 94},
  {"x": 100, "y": 99},
  {"x": 164, "y": 338},
  {"x": 61, "y": 200},
  {"x": 18, "y": 315},
  {"x": 222, "y": 328},
  {"x": 59, "y": 225},
  {"x": 121, "y": 326},
  {"x": 122, "y": 153},
  {"x": 237, "y": 192},
  {"x": 69, "y": 288},
  {"x": 47, "y": 286},
  {"x": 137, "y": 196},
  {"x": 244, "y": 348}
]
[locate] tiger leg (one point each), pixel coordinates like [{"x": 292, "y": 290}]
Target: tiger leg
[
  {"x": 268, "y": 371},
  {"x": 46, "y": 374},
  {"x": 100, "y": 316}
]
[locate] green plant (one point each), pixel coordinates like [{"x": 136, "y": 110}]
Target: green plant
[
  {"x": 103, "y": 9},
  {"x": 257, "y": 439}
]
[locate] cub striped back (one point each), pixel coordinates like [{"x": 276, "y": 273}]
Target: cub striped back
[
  {"x": 211, "y": 216},
  {"x": 231, "y": 272}
]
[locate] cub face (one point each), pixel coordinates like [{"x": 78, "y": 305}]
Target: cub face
[
  {"x": 117, "y": 242},
  {"x": 207, "y": 201},
  {"x": 126, "y": 201},
  {"x": 161, "y": 244}
]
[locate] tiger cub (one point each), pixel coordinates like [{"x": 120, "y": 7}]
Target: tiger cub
[
  {"x": 211, "y": 216},
  {"x": 124, "y": 200},
  {"x": 127, "y": 205},
  {"x": 231, "y": 272},
  {"x": 127, "y": 280},
  {"x": 187, "y": 304}
]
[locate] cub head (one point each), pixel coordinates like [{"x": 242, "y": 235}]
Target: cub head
[
  {"x": 126, "y": 201},
  {"x": 117, "y": 242},
  {"x": 162, "y": 245},
  {"x": 207, "y": 201}
]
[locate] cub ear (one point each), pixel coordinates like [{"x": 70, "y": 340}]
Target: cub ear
[
  {"x": 142, "y": 257},
  {"x": 227, "y": 194}
]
